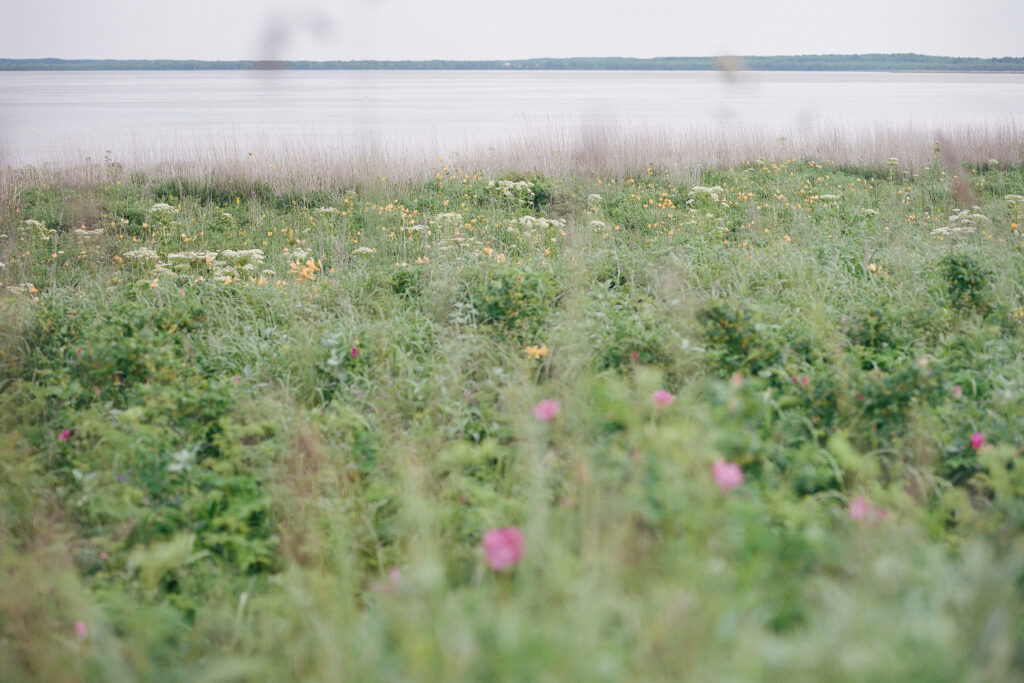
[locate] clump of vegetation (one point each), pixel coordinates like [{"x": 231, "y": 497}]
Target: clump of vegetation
[{"x": 967, "y": 281}]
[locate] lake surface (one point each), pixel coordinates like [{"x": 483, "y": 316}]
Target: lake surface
[{"x": 54, "y": 116}]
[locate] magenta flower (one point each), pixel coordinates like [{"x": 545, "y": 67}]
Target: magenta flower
[
  {"x": 957, "y": 391},
  {"x": 863, "y": 511},
  {"x": 355, "y": 353},
  {"x": 503, "y": 547},
  {"x": 977, "y": 440},
  {"x": 64, "y": 435},
  {"x": 546, "y": 410},
  {"x": 663, "y": 399},
  {"x": 80, "y": 630},
  {"x": 728, "y": 475}
]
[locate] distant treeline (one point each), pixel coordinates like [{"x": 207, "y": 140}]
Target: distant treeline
[{"x": 867, "y": 62}]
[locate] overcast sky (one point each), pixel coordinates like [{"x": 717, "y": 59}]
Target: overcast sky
[{"x": 503, "y": 29}]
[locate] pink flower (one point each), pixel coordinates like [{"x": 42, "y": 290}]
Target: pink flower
[
  {"x": 546, "y": 410},
  {"x": 503, "y": 547},
  {"x": 736, "y": 380},
  {"x": 977, "y": 440},
  {"x": 355, "y": 352},
  {"x": 103, "y": 555},
  {"x": 728, "y": 475},
  {"x": 662, "y": 398},
  {"x": 804, "y": 380},
  {"x": 391, "y": 585},
  {"x": 80, "y": 630},
  {"x": 64, "y": 435},
  {"x": 957, "y": 391},
  {"x": 863, "y": 511}
]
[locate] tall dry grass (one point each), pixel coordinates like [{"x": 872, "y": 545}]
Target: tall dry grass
[{"x": 299, "y": 164}]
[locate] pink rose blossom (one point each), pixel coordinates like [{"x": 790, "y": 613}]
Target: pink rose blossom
[
  {"x": 546, "y": 410},
  {"x": 503, "y": 547},
  {"x": 391, "y": 585},
  {"x": 728, "y": 475},
  {"x": 977, "y": 440},
  {"x": 663, "y": 399},
  {"x": 863, "y": 511},
  {"x": 64, "y": 435},
  {"x": 80, "y": 629}
]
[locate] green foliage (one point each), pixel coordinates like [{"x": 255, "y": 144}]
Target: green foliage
[
  {"x": 287, "y": 473},
  {"x": 515, "y": 301},
  {"x": 736, "y": 339},
  {"x": 967, "y": 281}
]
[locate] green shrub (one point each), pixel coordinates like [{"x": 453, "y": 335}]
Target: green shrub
[
  {"x": 967, "y": 281},
  {"x": 736, "y": 342},
  {"x": 516, "y": 301}
]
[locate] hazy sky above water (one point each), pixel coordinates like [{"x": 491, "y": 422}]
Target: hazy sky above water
[{"x": 499, "y": 29}]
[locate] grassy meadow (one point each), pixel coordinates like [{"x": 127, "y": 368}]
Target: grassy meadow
[{"x": 759, "y": 422}]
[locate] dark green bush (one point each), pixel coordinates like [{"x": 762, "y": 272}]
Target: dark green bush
[
  {"x": 514, "y": 300},
  {"x": 735, "y": 340},
  {"x": 967, "y": 281}
]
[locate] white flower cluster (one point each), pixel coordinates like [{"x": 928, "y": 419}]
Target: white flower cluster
[
  {"x": 416, "y": 228},
  {"x": 870, "y": 212},
  {"x": 299, "y": 253},
  {"x": 161, "y": 208},
  {"x": 529, "y": 222},
  {"x": 87, "y": 234},
  {"x": 193, "y": 256},
  {"x": 513, "y": 189},
  {"x": 23, "y": 288},
  {"x": 1014, "y": 199},
  {"x": 243, "y": 257},
  {"x": 961, "y": 224},
  {"x": 698, "y": 191},
  {"x": 226, "y": 265},
  {"x": 598, "y": 224},
  {"x": 451, "y": 219},
  {"x": 829, "y": 197},
  {"x": 593, "y": 202},
  {"x": 40, "y": 229},
  {"x": 457, "y": 243},
  {"x": 365, "y": 250},
  {"x": 143, "y": 254},
  {"x": 325, "y": 210}
]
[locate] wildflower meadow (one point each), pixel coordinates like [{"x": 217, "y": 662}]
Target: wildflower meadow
[{"x": 755, "y": 422}]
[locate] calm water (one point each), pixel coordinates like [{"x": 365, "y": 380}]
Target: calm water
[{"x": 53, "y": 115}]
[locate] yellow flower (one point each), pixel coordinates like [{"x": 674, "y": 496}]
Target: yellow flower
[{"x": 536, "y": 352}]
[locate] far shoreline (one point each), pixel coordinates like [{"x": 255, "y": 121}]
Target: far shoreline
[{"x": 881, "y": 63}]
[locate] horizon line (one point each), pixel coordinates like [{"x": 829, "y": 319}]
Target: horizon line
[{"x": 505, "y": 60}]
